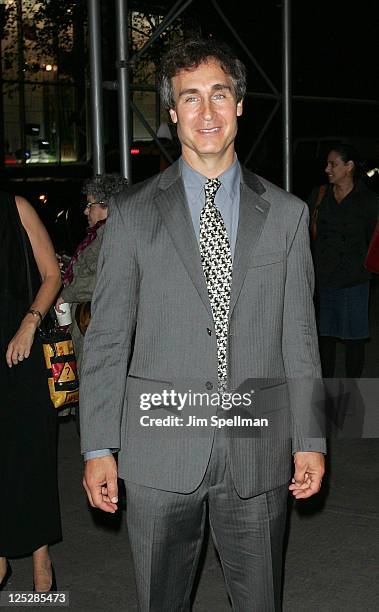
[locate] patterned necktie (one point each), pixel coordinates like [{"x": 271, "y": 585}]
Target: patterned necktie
[{"x": 216, "y": 260}]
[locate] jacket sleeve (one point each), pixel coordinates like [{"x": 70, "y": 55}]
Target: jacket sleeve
[
  {"x": 300, "y": 344},
  {"x": 108, "y": 340}
]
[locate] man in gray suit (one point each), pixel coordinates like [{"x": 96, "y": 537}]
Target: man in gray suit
[{"x": 204, "y": 289}]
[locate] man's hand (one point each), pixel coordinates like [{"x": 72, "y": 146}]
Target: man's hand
[
  {"x": 100, "y": 483},
  {"x": 309, "y": 470}
]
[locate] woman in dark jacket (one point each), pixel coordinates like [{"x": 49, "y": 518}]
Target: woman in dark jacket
[{"x": 342, "y": 223}]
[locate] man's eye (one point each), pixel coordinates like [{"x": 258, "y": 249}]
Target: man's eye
[
  {"x": 191, "y": 99},
  {"x": 219, "y": 96}
]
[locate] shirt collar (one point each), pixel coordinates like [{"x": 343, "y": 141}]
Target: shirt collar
[{"x": 195, "y": 181}]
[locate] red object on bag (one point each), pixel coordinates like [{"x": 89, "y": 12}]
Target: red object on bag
[{"x": 371, "y": 262}]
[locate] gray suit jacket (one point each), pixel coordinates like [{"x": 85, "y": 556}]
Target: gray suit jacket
[{"x": 152, "y": 330}]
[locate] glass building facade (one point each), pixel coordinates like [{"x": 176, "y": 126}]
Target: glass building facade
[
  {"x": 45, "y": 85},
  {"x": 40, "y": 109}
]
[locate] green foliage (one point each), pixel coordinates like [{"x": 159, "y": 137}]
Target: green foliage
[
  {"x": 53, "y": 32},
  {"x": 47, "y": 30}
]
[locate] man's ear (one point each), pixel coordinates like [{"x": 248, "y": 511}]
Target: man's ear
[
  {"x": 173, "y": 115},
  {"x": 239, "y": 108}
]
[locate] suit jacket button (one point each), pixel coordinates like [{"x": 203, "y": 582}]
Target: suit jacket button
[
  {"x": 209, "y": 385},
  {"x": 209, "y": 331}
]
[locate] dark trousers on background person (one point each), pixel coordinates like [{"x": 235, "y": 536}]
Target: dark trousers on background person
[
  {"x": 354, "y": 356},
  {"x": 166, "y": 531}
]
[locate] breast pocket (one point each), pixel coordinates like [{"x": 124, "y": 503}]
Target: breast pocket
[{"x": 267, "y": 259}]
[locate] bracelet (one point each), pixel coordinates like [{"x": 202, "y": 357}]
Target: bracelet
[{"x": 35, "y": 313}]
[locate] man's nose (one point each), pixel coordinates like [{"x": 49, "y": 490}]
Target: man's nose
[{"x": 207, "y": 110}]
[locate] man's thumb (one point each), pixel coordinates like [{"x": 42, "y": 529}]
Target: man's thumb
[
  {"x": 299, "y": 473},
  {"x": 112, "y": 491}
]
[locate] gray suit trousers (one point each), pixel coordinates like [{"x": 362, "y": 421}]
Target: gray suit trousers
[{"x": 166, "y": 532}]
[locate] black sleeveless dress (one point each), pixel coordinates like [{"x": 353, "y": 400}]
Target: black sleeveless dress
[{"x": 29, "y": 504}]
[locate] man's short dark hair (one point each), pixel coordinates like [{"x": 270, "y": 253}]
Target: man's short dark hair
[{"x": 190, "y": 54}]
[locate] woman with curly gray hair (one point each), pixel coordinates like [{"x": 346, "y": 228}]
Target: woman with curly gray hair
[{"x": 80, "y": 275}]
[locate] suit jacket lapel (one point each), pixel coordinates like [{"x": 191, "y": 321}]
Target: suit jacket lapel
[
  {"x": 252, "y": 216},
  {"x": 171, "y": 203}
]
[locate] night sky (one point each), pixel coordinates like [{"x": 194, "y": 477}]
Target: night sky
[
  {"x": 334, "y": 54},
  {"x": 334, "y": 44}
]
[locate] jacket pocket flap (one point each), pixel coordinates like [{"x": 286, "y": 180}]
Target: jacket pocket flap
[{"x": 265, "y": 259}]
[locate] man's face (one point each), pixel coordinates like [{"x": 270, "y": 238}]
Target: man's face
[{"x": 205, "y": 112}]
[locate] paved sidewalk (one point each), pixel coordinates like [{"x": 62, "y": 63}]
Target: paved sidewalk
[{"x": 331, "y": 562}]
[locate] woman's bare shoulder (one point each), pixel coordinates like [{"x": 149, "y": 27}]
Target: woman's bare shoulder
[
  {"x": 23, "y": 204},
  {"x": 28, "y": 215}
]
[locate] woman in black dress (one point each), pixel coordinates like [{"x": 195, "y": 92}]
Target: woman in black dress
[
  {"x": 343, "y": 218},
  {"x": 29, "y": 508}
]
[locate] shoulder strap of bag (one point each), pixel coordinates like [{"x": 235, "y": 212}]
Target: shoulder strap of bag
[{"x": 320, "y": 196}]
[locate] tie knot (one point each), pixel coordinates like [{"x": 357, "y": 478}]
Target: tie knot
[{"x": 211, "y": 187}]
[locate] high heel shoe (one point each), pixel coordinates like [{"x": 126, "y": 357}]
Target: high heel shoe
[
  {"x": 53, "y": 586},
  {"x": 53, "y": 580},
  {"x": 7, "y": 575}
]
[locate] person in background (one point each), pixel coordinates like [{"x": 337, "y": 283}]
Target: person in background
[
  {"x": 80, "y": 274},
  {"x": 343, "y": 218},
  {"x": 29, "y": 506}
]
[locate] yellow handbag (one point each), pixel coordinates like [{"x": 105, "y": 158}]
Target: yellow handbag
[
  {"x": 58, "y": 350},
  {"x": 61, "y": 367}
]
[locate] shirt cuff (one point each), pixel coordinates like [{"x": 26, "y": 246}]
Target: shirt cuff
[
  {"x": 102, "y": 452},
  {"x": 314, "y": 445}
]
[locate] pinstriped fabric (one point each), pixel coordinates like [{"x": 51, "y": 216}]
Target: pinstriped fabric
[
  {"x": 247, "y": 533},
  {"x": 150, "y": 280},
  {"x": 150, "y": 323}
]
